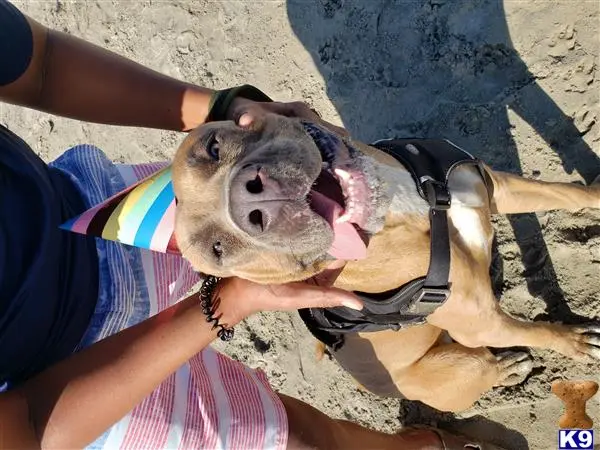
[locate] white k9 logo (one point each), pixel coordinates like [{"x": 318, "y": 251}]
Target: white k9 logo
[{"x": 575, "y": 439}]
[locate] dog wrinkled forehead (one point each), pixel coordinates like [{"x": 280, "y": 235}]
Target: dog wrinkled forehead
[
  {"x": 213, "y": 149},
  {"x": 196, "y": 149},
  {"x": 234, "y": 141}
]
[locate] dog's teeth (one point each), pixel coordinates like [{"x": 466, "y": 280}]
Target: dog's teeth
[
  {"x": 344, "y": 217},
  {"x": 343, "y": 174}
]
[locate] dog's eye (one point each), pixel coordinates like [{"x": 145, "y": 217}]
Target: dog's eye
[{"x": 213, "y": 149}]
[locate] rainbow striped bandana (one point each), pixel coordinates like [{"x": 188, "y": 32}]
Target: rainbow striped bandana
[{"x": 143, "y": 215}]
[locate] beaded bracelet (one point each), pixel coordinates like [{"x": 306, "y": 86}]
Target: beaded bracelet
[{"x": 209, "y": 308}]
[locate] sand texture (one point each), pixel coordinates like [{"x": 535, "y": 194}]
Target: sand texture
[{"x": 513, "y": 82}]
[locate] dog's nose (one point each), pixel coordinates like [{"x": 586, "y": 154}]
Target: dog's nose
[{"x": 255, "y": 199}]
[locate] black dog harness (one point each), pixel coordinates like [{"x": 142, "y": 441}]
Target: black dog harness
[{"x": 430, "y": 163}]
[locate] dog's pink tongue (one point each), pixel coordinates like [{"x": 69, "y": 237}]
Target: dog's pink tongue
[{"x": 347, "y": 243}]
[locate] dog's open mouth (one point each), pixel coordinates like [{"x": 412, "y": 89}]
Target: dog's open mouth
[{"x": 340, "y": 195}]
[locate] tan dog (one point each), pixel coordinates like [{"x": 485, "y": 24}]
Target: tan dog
[{"x": 250, "y": 204}]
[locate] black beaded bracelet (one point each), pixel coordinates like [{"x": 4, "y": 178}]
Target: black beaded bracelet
[{"x": 210, "y": 305}]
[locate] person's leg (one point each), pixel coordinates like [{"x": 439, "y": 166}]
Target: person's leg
[{"x": 309, "y": 428}]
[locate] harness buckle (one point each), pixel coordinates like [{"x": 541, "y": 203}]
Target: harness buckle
[
  {"x": 433, "y": 295},
  {"x": 437, "y": 193}
]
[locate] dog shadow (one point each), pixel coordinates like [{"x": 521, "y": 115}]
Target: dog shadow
[
  {"x": 445, "y": 69},
  {"x": 435, "y": 68}
]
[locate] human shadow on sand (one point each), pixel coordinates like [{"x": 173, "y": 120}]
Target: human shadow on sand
[{"x": 443, "y": 69}]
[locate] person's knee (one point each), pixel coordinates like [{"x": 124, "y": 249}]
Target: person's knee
[{"x": 308, "y": 428}]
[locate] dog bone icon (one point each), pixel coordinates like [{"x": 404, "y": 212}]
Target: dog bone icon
[{"x": 574, "y": 395}]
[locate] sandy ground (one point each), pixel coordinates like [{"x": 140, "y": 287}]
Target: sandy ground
[{"x": 514, "y": 82}]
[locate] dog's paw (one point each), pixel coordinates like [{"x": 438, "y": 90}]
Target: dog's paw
[
  {"x": 582, "y": 343},
  {"x": 513, "y": 367}
]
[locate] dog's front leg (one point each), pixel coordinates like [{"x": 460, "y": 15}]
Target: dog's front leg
[
  {"x": 475, "y": 319},
  {"x": 514, "y": 194}
]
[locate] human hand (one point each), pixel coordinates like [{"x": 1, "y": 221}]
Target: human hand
[
  {"x": 243, "y": 112},
  {"x": 239, "y": 298}
]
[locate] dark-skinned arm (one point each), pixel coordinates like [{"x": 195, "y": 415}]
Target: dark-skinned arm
[
  {"x": 73, "y": 402},
  {"x": 70, "y": 77}
]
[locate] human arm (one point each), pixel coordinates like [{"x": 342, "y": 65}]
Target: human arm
[
  {"x": 71, "y": 77},
  {"x": 65, "y": 75},
  {"x": 74, "y": 401}
]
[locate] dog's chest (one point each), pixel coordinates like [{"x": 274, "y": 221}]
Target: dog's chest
[
  {"x": 400, "y": 252},
  {"x": 469, "y": 200},
  {"x": 469, "y": 213}
]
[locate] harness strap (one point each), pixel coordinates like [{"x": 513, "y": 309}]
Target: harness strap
[
  {"x": 380, "y": 312},
  {"x": 431, "y": 180}
]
